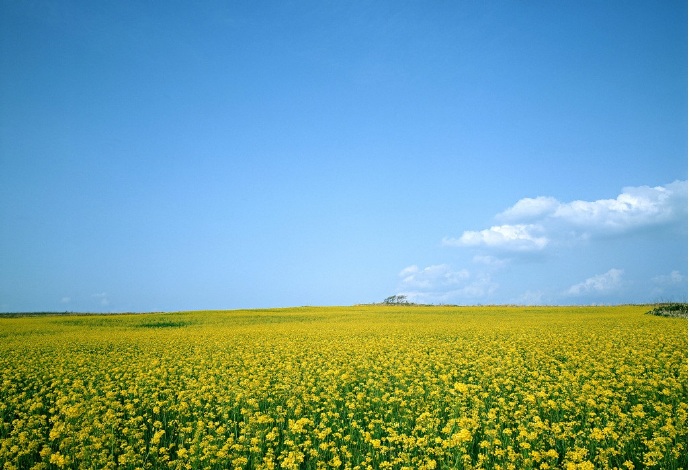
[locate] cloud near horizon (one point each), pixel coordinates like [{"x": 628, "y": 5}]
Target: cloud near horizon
[
  {"x": 102, "y": 298},
  {"x": 533, "y": 224},
  {"x": 441, "y": 284},
  {"x": 545, "y": 231},
  {"x": 598, "y": 284}
]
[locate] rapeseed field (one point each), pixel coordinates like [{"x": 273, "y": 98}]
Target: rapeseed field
[{"x": 364, "y": 387}]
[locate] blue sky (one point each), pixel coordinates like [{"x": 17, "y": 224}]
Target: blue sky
[{"x": 197, "y": 155}]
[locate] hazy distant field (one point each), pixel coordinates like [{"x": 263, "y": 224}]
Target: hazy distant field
[{"x": 355, "y": 387}]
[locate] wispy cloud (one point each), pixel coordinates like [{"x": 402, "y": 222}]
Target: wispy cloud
[
  {"x": 442, "y": 284},
  {"x": 598, "y": 284},
  {"x": 674, "y": 278},
  {"x": 436, "y": 276},
  {"x": 490, "y": 261},
  {"x": 102, "y": 298},
  {"x": 530, "y": 297},
  {"x": 665, "y": 287}
]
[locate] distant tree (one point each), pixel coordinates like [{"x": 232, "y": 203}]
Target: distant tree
[{"x": 396, "y": 300}]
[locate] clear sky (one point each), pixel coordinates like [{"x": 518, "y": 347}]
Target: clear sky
[{"x": 201, "y": 155}]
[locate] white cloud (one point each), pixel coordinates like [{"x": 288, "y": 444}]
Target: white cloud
[
  {"x": 634, "y": 207},
  {"x": 621, "y": 230},
  {"x": 529, "y": 209},
  {"x": 442, "y": 284},
  {"x": 409, "y": 271},
  {"x": 520, "y": 237},
  {"x": 65, "y": 300},
  {"x": 536, "y": 223},
  {"x": 600, "y": 283}
]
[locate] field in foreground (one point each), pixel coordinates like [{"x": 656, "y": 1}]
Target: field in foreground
[{"x": 353, "y": 387}]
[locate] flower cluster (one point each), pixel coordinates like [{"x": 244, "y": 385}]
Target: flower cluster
[{"x": 366, "y": 387}]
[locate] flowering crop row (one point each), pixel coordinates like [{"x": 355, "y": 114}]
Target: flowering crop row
[{"x": 366, "y": 387}]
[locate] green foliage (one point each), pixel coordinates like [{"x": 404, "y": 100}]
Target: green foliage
[
  {"x": 396, "y": 300},
  {"x": 678, "y": 310}
]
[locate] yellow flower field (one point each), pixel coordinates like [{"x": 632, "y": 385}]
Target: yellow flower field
[{"x": 365, "y": 387}]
